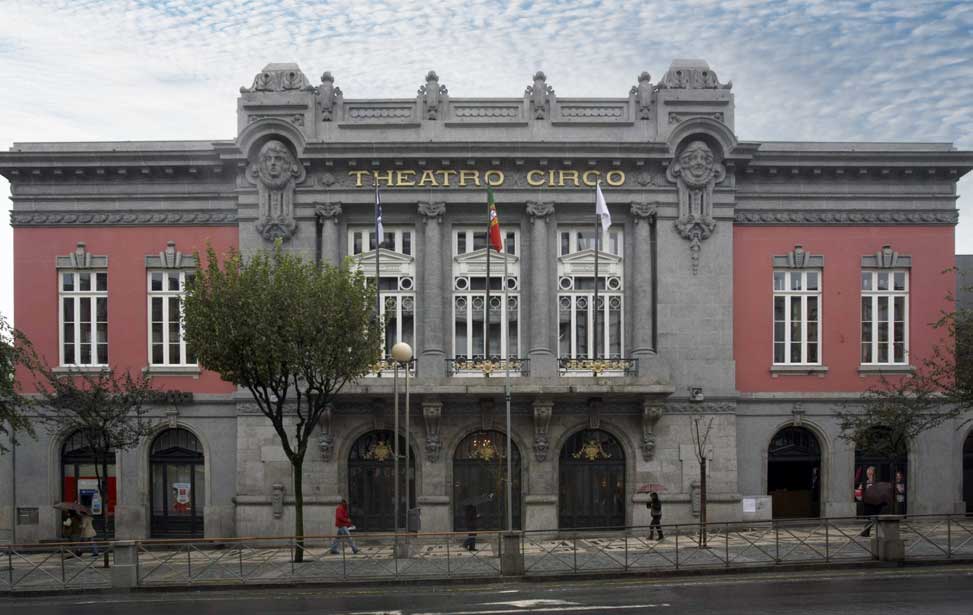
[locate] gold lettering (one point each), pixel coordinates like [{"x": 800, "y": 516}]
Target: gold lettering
[
  {"x": 401, "y": 178},
  {"x": 428, "y": 178},
  {"x": 387, "y": 176},
  {"x": 619, "y": 178},
  {"x": 535, "y": 177},
  {"x": 590, "y": 178},
  {"x": 446, "y": 174},
  {"x": 358, "y": 177},
  {"x": 473, "y": 175},
  {"x": 550, "y": 178},
  {"x": 570, "y": 175},
  {"x": 497, "y": 178}
]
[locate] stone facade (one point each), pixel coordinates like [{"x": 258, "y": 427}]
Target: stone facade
[{"x": 684, "y": 193}]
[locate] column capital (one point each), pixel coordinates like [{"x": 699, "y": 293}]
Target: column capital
[
  {"x": 643, "y": 211},
  {"x": 536, "y": 209},
  {"x": 431, "y": 211},
  {"x": 328, "y": 211}
]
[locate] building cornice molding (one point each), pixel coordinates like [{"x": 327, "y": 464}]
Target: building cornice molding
[
  {"x": 845, "y": 217},
  {"x": 188, "y": 217}
]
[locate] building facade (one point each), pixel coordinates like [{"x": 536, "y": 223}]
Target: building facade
[{"x": 751, "y": 288}]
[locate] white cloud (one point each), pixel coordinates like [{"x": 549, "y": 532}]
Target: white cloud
[{"x": 170, "y": 69}]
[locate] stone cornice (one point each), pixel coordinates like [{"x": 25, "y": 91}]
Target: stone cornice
[
  {"x": 845, "y": 217},
  {"x": 191, "y": 217}
]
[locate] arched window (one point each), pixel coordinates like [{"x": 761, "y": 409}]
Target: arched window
[
  {"x": 178, "y": 484},
  {"x": 794, "y": 473},
  {"x": 371, "y": 486},
  {"x": 81, "y": 468},
  {"x": 591, "y": 481},
  {"x": 892, "y": 469},
  {"x": 480, "y": 480}
]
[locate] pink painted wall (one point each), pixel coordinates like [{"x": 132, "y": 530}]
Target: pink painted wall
[
  {"x": 931, "y": 249},
  {"x": 36, "y": 291}
]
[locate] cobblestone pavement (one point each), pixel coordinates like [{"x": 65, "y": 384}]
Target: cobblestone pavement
[{"x": 442, "y": 556}]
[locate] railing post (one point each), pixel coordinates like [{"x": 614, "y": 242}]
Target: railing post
[
  {"x": 677, "y": 546},
  {"x": 511, "y": 555},
  {"x": 125, "y": 572},
  {"x": 949, "y": 536},
  {"x": 776, "y": 541},
  {"x": 726, "y": 540},
  {"x": 827, "y": 542},
  {"x": 887, "y": 544}
]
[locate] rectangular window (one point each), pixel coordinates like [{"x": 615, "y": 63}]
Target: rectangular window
[
  {"x": 362, "y": 240},
  {"x": 797, "y": 317},
  {"x": 578, "y": 240},
  {"x": 885, "y": 317},
  {"x": 167, "y": 342},
  {"x": 84, "y": 317}
]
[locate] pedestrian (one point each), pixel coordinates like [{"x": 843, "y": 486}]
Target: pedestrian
[
  {"x": 655, "y": 509},
  {"x": 72, "y": 531},
  {"x": 343, "y": 527},
  {"x": 899, "y": 493},
  {"x": 88, "y": 532},
  {"x": 872, "y": 500},
  {"x": 471, "y": 516}
]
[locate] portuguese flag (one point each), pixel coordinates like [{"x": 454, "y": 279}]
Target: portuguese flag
[{"x": 496, "y": 242}]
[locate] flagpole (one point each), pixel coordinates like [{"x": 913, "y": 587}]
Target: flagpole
[
  {"x": 597, "y": 249},
  {"x": 486, "y": 305},
  {"x": 378, "y": 277},
  {"x": 505, "y": 314}
]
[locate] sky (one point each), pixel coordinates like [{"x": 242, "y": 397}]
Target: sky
[{"x": 816, "y": 70}]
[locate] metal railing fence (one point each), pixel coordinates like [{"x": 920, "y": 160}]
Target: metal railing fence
[{"x": 47, "y": 566}]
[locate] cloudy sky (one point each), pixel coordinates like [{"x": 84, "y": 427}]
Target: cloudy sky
[{"x": 85, "y": 70}]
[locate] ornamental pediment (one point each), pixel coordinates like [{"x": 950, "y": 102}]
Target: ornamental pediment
[
  {"x": 390, "y": 262},
  {"x": 587, "y": 257},
  {"x": 476, "y": 263}
]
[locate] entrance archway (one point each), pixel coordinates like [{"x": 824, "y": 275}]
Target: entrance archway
[
  {"x": 591, "y": 481},
  {"x": 371, "y": 486},
  {"x": 178, "y": 493},
  {"x": 479, "y": 480},
  {"x": 968, "y": 473},
  {"x": 80, "y": 469},
  {"x": 794, "y": 473},
  {"x": 892, "y": 469}
]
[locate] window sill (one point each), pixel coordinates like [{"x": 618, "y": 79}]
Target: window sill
[
  {"x": 80, "y": 369},
  {"x": 172, "y": 370},
  {"x": 878, "y": 370},
  {"x": 798, "y": 370}
]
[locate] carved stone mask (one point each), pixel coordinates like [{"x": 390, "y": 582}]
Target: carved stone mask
[
  {"x": 276, "y": 163},
  {"x": 696, "y": 163}
]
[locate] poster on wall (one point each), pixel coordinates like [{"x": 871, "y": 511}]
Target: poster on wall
[
  {"x": 182, "y": 493},
  {"x": 88, "y": 491}
]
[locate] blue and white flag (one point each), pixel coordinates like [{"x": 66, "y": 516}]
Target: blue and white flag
[{"x": 379, "y": 229}]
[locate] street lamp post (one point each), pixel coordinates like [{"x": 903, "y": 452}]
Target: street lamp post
[{"x": 401, "y": 353}]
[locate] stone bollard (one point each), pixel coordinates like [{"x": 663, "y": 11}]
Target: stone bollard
[
  {"x": 511, "y": 555},
  {"x": 125, "y": 572},
  {"x": 886, "y": 544}
]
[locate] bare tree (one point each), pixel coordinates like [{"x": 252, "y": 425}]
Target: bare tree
[{"x": 700, "y": 436}]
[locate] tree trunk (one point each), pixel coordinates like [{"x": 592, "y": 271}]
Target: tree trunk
[
  {"x": 702, "y": 502},
  {"x": 298, "y": 511}
]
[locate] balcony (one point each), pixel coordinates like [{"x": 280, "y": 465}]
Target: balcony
[
  {"x": 598, "y": 368},
  {"x": 482, "y": 367},
  {"x": 386, "y": 369}
]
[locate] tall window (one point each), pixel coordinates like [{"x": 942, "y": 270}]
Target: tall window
[
  {"x": 475, "y": 322},
  {"x": 84, "y": 317},
  {"x": 885, "y": 317},
  {"x": 797, "y": 317},
  {"x": 396, "y": 278},
  {"x": 167, "y": 343},
  {"x": 577, "y": 313}
]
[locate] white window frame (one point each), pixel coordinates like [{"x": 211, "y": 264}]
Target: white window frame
[
  {"x": 366, "y": 234},
  {"x": 75, "y": 295},
  {"x": 612, "y": 240},
  {"x": 873, "y": 294},
  {"x": 165, "y": 294},
  {"x": 801, "y": 295}
]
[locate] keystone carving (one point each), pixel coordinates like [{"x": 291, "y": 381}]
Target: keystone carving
[
  {"x": 326, "y": 437},
  {"x": 328, "y": 211},
  {"x": 643, "y": 96},
  {"x": 276, "y": 172},
  {"x": 652, "y": 411},
  {"x": 540, "y": 96},
  {"x": 486, "y": 413},
  {"x": 329, "y": 97},
  {"x": 432, "y": 96},
  {"x": 537, "y": 209},
  {"x": 432, "y": 412},
  {"x": 542, "y": 421},
  {"x": 695, "y": 173},
  {"x": 643, "y": 212},
  {"x": 432, "y": 211},
  {"x": 797, "y": 414}
]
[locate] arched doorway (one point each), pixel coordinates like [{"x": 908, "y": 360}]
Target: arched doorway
[
  {"x": 968, "y": 473},
  {"x": 479, "y": 480},
  {"x": 178, "y": 492},
  {"x": 889, "y": 468},
  {"x": 591, "y": 481},
  {"x": 80, "y": 470},
  {"x": 371, "y": 484},
  {"x": 794, "y": 473}
]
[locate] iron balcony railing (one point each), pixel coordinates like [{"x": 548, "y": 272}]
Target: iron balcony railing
[
  {"x": 385, "y": 368},
  {"x": 604, "y": 367},
  {"x": 479, "y": 366}
]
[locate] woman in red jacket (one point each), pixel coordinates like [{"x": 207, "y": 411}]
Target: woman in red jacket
[{"x": 343, "y": 526}]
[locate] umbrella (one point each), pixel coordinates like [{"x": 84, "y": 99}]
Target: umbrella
[
  {"x": 650, "y": 487},
  {"x": 67, "y": 506}
]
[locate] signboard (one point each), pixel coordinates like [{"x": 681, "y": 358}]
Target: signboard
[
  {"x": 27, "y": 516},
  {"x": 88, "y": 490},
  {"x": 182, "y": 493}
]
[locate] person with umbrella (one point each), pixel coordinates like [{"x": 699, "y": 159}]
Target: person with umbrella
[{"x": 470, "y": 516}]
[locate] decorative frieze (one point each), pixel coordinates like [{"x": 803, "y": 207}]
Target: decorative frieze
[
  {"x": 700, "y": 407},
  {"x": 194, "y": 217},
  {"x": 845, "y": 217}
]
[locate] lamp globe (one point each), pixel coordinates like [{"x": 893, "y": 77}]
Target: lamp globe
[{"x": 402, "y": 352}]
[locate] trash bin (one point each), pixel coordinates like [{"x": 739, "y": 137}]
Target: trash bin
[{"x": 415, "y": 521}]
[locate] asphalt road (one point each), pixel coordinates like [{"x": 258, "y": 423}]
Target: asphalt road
[{"x": 929, "y": 591}]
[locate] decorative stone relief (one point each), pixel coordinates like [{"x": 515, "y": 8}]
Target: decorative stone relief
[
  {"x": 643, "y": 212},
  {"x": 845, "y": 217},
  {"x": 537, "y": 209},
  {"x": 170, "y": 259},
  {"x": 329, "y": 97},
  {"x": 652, "y": 411},
  {"x": 644, "y": 178},
  {"x": 276, "y": 173},
  {"x": 294, "y": 118},
  {"x": 797, "y": 414},
  {"x": 676, "y": 118},
  {"x": 277, "y": 500},
  {"x": 432, "y": 413},
  {"x": 691, "y": 75},
  {"x": 540, "y": 97},
  {"x": 278, "y": 78},
  {"x": 695, "y": 172},
  {"x": 432, "y": 211},
  {"x": 326, "y": 437},
  {"x": 81, "y": 259},
  {"x": 328, "y": 179},
  {"x": 432, "y": 96},
  {"x": 886, "y": 258},
  {"x": 328, "y": 211},
  {"x": 542, "y": 421},
  {"x": 643, "y": 96},
  {"x": 799, "y": 258}
]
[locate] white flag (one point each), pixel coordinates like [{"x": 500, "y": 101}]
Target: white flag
[{"x": 601, "y": 209}]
